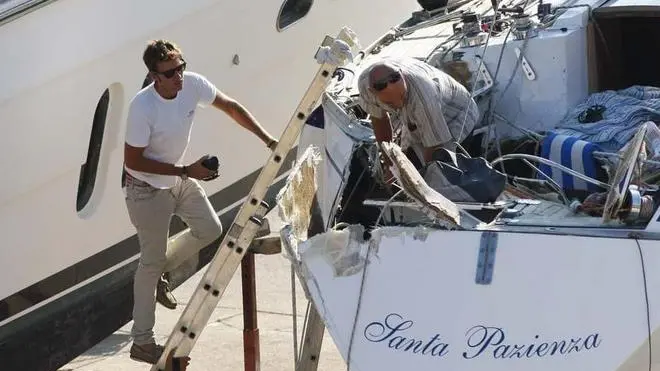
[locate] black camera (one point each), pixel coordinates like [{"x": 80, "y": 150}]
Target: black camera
[{"x": 211, "y": 163}]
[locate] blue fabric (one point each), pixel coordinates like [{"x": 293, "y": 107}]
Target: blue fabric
[
  {"x": 573, "y": 153},
  {"x": 625, "y": 111}
]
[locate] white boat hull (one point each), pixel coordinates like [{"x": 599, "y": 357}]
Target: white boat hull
[{"x": 553, "y": 303}]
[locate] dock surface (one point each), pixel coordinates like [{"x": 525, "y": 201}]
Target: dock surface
[{"x": 220, "y": 346}]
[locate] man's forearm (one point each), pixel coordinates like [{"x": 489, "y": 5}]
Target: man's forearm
[
  {"x": 154, "y": 167},
  {"x": 241, "y": 115},
  {"x": 382, "y": 128}
]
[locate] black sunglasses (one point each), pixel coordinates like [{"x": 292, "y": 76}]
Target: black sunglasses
[
  {"x": 170, "y": 73},
  {"x": 382, "y": 83}
]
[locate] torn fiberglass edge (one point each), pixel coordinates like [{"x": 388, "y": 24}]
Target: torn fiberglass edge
[
  {"x": 349, "y": 189},
  {"x": 342, "y": 248},
  {"x": 579, "y": 207}
]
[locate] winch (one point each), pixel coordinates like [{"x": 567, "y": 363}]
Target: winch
[
  {"x": 473, "y": 35},
  {"x": 637, "y": 208},
  {"x": 522, "y": 27}
]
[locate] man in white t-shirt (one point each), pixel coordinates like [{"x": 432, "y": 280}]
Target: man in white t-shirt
[{"x": 158, "y": 185}]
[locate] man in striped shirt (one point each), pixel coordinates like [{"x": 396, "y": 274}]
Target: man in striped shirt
[{"x": 431, "y": 108}]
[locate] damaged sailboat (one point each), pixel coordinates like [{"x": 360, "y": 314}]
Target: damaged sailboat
[{"x": 534, "y": 251}]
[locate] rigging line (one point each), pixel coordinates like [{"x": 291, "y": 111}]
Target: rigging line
[
  {"x": 382, "y": 212},
  {"x": 646, "y": 296},
  {"x": 350, "y": 196},
  {"x": 359, "y": 304}
]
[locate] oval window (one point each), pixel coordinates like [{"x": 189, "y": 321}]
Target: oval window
[
  {"x": 88, "y": 170},
  {"x": 291, "y": 12}
]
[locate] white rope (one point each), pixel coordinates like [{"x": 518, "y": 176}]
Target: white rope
[
  {"x": 357, "y": 310},
  {"x": 295, "y": 318}
]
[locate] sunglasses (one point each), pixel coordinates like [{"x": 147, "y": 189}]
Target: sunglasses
[
  {"x": 382, "y": 83},
  {"x": 170, "y": 73}
]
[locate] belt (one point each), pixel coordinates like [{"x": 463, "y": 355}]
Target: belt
[{"x": 131, "y": 180}]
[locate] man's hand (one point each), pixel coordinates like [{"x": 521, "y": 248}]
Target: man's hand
[
  {"x": 198, "y": 171},
  {"x": 385, "y": 164},
  {"x": 388, "y": 178},
  {"x": 272, "y": 144},
  {"x": 170, "y": 362}
]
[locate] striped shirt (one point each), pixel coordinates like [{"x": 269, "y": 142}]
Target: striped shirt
[{"x": 437, "y": 110}]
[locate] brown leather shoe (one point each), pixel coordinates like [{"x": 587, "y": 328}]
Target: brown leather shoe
[
  {"x": 149, "y": 353},
  {"x": 163, "y": 294}
]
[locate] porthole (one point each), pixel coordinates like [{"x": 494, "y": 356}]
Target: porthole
[
  {"x": 291, "y": 12},
  {"x": 88, "y": 170}
]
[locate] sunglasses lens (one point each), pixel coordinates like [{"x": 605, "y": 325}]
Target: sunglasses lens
[
  {"x": 170, "y": 73},
  {"x": 378, "y": 86}
]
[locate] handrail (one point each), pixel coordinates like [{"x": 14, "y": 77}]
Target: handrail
[{"x": 550, "y": 163}]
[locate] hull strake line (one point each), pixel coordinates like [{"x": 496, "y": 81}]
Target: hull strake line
[
  {"x": 120, "y": 252},
  {"x": 53, "y": 335}
]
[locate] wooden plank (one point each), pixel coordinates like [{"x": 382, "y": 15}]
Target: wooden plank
[
  {"x": 592, "y": 59},
  {"x": 251, "y": 354}
]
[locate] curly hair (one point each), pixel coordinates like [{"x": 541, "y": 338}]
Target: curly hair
[{"x": 160, "y": 51}]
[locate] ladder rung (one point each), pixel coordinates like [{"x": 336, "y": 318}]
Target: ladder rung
[{"x": 256, "y": 220}]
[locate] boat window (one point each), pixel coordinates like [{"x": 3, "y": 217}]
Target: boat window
[
  {"x": 88, "y": 170},
  {"x": 9, "y": 8},
  {"x": 6, "y": 5},
  {"x": 291, "y": 12}
]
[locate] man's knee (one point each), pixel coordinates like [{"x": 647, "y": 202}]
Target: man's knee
[
  {"x": 214, "y": 229},
  {"x": 209, "y": 230}
]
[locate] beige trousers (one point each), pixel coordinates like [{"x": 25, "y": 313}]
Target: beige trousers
[{"x": 150, "y": 210}]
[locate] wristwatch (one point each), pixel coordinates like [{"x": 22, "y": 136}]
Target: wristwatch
[{"x": 184, "y": 172}]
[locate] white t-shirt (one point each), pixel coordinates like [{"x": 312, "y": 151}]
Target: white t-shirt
[{"x": 163, "y": 125}]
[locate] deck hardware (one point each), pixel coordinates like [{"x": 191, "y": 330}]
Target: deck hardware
[
  {"x": 486, "y": 258},
  {"x": 526, "y": 67}
]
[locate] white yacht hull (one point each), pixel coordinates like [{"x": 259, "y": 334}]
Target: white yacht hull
[
  {"x": 67, "y": 263},
  {"x": 551, "y": 302}
]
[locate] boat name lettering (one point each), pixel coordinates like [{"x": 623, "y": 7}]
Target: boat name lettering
[
  {"x": 481, "y": 341},
  {"x": 484, "y": 340},
  {"x": 390, "y": 332}
]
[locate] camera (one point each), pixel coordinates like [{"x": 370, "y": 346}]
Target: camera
[{"x": 211, "y": 163}]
